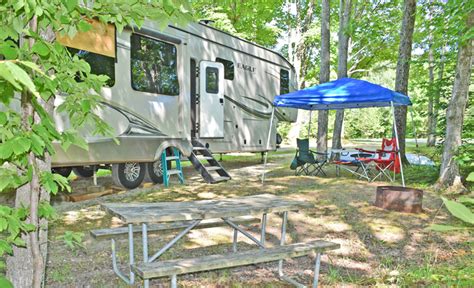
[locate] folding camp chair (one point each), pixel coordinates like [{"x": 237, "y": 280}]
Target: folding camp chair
[
  {"x": 352, "y": 165},
  {"x": 305, "y": 162},
  {"x": 386, "y": 160}
]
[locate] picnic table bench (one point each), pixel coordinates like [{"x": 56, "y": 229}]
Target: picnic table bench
[{"x": 193, "y": 213}]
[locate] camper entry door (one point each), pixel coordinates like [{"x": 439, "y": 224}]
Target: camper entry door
[{"x": 211, "y": 100}]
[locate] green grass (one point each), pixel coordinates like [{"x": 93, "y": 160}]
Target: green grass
[
  {"x": 458, "y": 273},
  {"x": 421, "y": 176}
]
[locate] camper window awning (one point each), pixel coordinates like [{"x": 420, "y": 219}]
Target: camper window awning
[{"x": 345, "y": 93}]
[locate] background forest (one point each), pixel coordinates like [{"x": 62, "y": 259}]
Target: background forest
[{"x": 294, "y": 29}]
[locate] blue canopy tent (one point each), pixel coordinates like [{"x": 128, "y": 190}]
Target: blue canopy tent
[{"x": 345, "y": 93}]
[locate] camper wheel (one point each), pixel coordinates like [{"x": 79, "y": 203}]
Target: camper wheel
[
  {"x": 63, "y": 171},
  {"x": 84, "y": 171},
  {"x": 129, "y": 175},
  {"x": 154, "y": 172}
]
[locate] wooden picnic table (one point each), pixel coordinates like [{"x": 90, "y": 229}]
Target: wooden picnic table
[
  {"x": 192, "y": 213},
  {"x": 136, "y": 213}
]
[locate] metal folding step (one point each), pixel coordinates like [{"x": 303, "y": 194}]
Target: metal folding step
[
  {"x": 203, "y": 161},
  {"x": 212, "y": 168},
  {"x": 168, "y": 172}
]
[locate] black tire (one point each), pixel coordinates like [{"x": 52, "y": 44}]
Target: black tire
[
  {"x": 84, "y": 171},
  {"x": 154, "y": 172},
  {"x": 63, "y": 171},
  {"x": 128, "y": 175}
]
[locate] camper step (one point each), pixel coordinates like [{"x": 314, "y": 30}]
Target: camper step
[
  {"x": 172, "y": 158},
  {"x": 173, "y": 171},
  {"x": 220, "y": 179},
  {"x": 212, "y": 168},
  {"x": 200, "y": 157},
  {"x": 199, "y": 148}
]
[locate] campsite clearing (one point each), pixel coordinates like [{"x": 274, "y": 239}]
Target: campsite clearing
[{"x": 378, "y": 247}]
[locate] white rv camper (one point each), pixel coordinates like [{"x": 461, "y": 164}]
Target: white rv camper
[{"x": 195, "y": 88}]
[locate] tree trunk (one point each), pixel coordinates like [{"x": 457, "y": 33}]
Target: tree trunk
[
  {"x": 436, "y": 96},
  {"x": 431, "y": 124},
  {"x": 27, "y": 265},
  {"x": 322, "y": 141},
  {"x": 449, "y": 172},
  {"x": 345, "y": 7},
  {"x": 403, "y": 70}
]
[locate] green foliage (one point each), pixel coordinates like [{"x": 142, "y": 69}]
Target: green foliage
[
  {"x": 5, "y": 283},
  {"x": 251, "y": 20},
  {"x": 457, "y": 272},
  {"x": 283, "y": 129},
  {"x": 12, "y": 225},
  {"x": 72, "y": 239},
  {"x": 460, "y": 211},
  {"x": 34, "y": 68},
  {"x": 421, "y": 175}
]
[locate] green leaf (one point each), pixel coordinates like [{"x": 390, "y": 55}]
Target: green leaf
[
  {"x": 21, "y": 76},
  {"x": 37, "y": 144},
  {"x": 459, "y": 210},
  {"x": 47, "y": 181},
  {"x": 21, "y": 145},
  {"x": 5, "y": 247},
  {"x": 470, "y": 177},
  {"x": 70, "y": 4},
  {"x": 466, "y": 199},
  {"x": 5, "y": 283},
  {"x": 34, "y": 67},
  {"x": 45, "y": 210},
  {"x": 41, "y": 49},
  {"x": 3, "y": 224},
  {"x": 445, "y": 228},
  {"x": 84, "y": 26},
  {"x": 6, "y": 74},
  {"x": 3, "y": 118},
  {"x": 6, "y": 150}
]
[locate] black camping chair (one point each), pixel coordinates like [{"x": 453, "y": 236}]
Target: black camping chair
[{"x": 304, "y": 162}]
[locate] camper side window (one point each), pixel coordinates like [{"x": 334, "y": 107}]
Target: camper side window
[
  {"x": 228, "y": 68},
  {"x": 212, "y": 80},
  {"x": 284, "y": 81},
  {"x": 153, "y": 66},
  {"x": 100, "y": 64}
]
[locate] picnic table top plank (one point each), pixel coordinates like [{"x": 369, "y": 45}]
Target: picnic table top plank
[{"x": 202, "y": 209}]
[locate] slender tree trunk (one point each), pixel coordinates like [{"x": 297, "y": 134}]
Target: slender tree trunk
[
  {"x": 403, "y": 69},
  {"x": 345, "y": 7},
  {"x": 449, "y": 172},
  {"x": 322, "y": 141},
  {"x": 26, "y": 267},
  {"x": 436, "y": 97},
  {"x": 431, "y": 124}
]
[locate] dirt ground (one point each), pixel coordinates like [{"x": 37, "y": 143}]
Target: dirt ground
[{"x": 378, "y": 247}]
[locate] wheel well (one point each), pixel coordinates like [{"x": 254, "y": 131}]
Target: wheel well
[{"x": 184, "y": 147}]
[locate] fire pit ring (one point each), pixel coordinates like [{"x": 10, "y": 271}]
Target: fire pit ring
[{"x": 402, "y": 199}]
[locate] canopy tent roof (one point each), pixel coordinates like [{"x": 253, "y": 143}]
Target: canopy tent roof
[{"x": 345, "y": 93}]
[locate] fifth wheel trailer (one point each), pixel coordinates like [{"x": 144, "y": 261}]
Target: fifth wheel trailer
[{"x": 192, "y": 87}]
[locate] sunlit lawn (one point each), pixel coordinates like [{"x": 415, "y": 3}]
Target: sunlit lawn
[{"x": 378, "y": 247}]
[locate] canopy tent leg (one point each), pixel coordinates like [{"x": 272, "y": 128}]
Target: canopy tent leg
[
  {"x": 398, "y": 144},
  {"x": 268, "y": 145}
]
